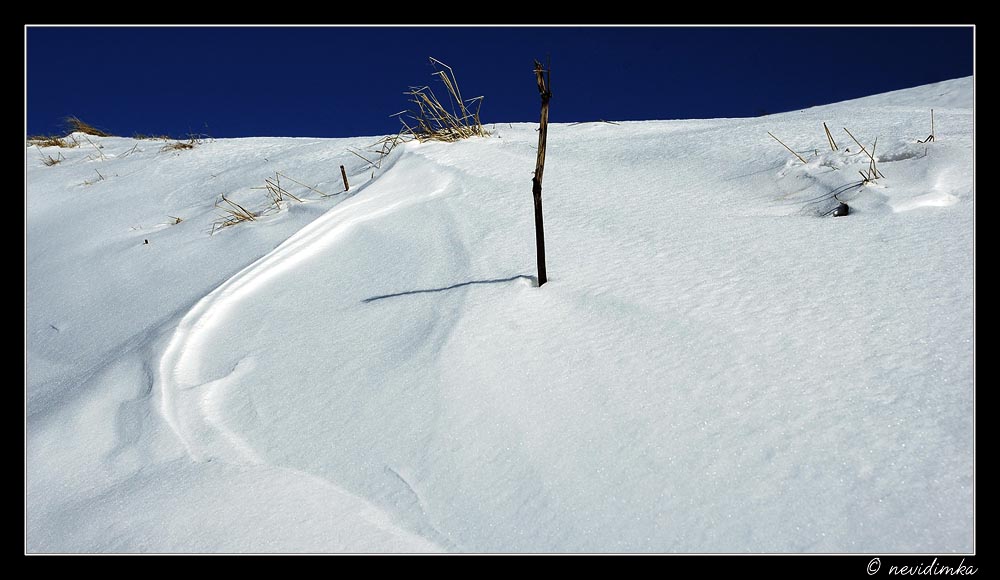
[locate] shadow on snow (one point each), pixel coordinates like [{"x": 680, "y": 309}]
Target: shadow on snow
[{"x": 532, "y": 279}]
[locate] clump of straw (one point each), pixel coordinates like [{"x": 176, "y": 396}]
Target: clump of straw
[{"x": 436, "y": 121}]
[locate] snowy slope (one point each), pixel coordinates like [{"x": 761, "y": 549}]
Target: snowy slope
[{"x": 713, "y": 366}]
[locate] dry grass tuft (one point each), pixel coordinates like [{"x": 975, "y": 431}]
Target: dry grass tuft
[
  {"x": 232, "y": 214},
  {"x": 100, "y": 177},
  {"x": 179, "y": 145},
  {"x": 873, "y": 172},
  {"x": 436, "y": 121},
  {"x": 381, "y": 149},
  {"x": 131, "y": 151},
  {"x": 278, "y": 174},
  {"x": 193, "y": 140},
  {"x": 144, "y": 137},
  {"x": 277, "y": 191},
  {"x": 97, "y": 148},
  {"x": 75, "y": 125},
  {"x": 52, "y": 141},
  {"x": 49, "y": 161}
]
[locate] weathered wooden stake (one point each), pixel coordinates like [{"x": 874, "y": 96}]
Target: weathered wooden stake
[
  {"x": 542, "y": 76},
  {"x": 343, "y": 174}
]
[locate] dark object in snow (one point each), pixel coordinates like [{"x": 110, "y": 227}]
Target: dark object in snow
[
  {"x": 145, "y": 242},
  {"x": 542, "y": 77},
  {"x": 841, "y": 210}
]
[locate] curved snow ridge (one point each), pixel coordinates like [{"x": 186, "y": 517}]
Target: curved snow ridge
[
  {"x": 944, "y": 193},
  {"x": 933, "y": 199},
  {"x": 188, "y": 400}
]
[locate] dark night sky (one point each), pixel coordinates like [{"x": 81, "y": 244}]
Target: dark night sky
[{"x": 339, "y": 82}]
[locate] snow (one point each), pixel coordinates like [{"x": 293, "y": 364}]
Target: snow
[{"x": 713, "y": 366}]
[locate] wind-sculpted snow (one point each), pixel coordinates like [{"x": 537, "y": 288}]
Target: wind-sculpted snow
[{"x": 716, "y": 365}]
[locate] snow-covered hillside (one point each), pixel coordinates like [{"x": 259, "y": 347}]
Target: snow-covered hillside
[{"x": 714, "y": 366}]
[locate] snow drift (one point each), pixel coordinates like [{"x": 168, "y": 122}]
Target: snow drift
[{"x": 712, "y": 367}]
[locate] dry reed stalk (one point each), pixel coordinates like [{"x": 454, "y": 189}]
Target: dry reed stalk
[
  {"x": 362, "y": 157},
  {"x": 96, "y": 148},
  {"x": 99, "y": 178},
  {"x": 874, "y": 168},
  {"x": 310, "y": 188},
  {"x": 787, "y": 147},
  {"x": 597, "y": 121},
  {"x": 833, "y": 145},
  {"x": 276, "y": 192},
  {"x": 863, "y": 150}
]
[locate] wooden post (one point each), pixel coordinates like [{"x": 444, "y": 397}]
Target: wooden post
[
  {"x": 542, "y": 77},
  {"x": 344, "y": 175}
]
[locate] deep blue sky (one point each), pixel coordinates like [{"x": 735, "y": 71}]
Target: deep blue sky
[{"x": 338, "y": 82}]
